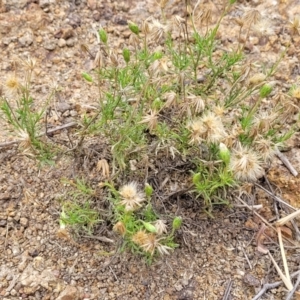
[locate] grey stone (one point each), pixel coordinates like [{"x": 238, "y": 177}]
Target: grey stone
[
  {"x": 46, "y": 3},
  {"x": 15, "y": 3},
  {"x": 50, "y": 45},
  {"x": 61, "y": 43},
  {"x": 26, "y": 40}
]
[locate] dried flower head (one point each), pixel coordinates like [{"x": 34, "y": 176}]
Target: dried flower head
[
  {"x": 12, "y": 87},
  {"x": 245, "y": 164},
  {"x": 219, "y": 110},
  {"x": 103, "y": 166},
  {"x": 263, "y": 28},
  {"x": 197, "y": 130},
  {"x": 140, "y": 238},
  {"x": 151, "y": 120},
  {"x": 252, "y": 17},
  {"x": 170, "y": 98},
  {"x": 113, "y": 57},
  {"x": 263, "y": 122},
  {"x": 295, "y": 92},
  {"x": 196, "y": 103},
  {"x": 25, "y": 140},
  {"x": 257, "y": 78},
  {"x": 205, "y": 16},
  {"x": 29, "y": 63},
  {"x": 158, "y": 31},
  {"x": 159, "y": 66},
  {"x": 178, "y": 21},
  {"x": 266, "y": 148},
  {"x": 120, "y": 228},
  {"x": 146, "y": 27},
  {"x": 294, "y": 25},
  {"x": 214, "y": 129},
  {"x": 131, "y": 196},
  {"x": 160, "y": 226},
  {"x": 149, "y": 242}
]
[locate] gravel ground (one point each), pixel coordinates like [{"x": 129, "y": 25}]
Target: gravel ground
[{"x": 37, "y": 261}]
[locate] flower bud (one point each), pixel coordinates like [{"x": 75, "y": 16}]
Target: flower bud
[
  {"x": 148, "y": 190},
  {"x": 63, "y": 216},
  {"x": 126, "y": 55},
  {"x": 157, "y": 55},
  {"x": 87, "y": 77},
  {"x": 265, "y": 91},
  {"x": 196, "y": 178},
  {"x": 224, "y": 153},
  {"x": 133, "y": 27},
  {"x": 177, "y": 223},
  {"x": 151, "y": 228},
  {"x": 103, "y": 36},
  {"x": 120, "y": 228}
]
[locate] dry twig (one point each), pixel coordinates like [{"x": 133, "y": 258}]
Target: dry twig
[
  {"x": 68, "y": 125},
  {"x": 269, "y": 286},
  {"x": 287, "y": 282},
  {"x": 227, "y": 291},
  {"x": 286, "y": 162},
  {"x": 275, "y": 197},
  {"x": 292, "y": 292}
]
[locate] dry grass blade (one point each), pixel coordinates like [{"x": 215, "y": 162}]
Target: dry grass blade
[
  {"x": 286, "y": 269},
  {"x": 287, "y": 282},
  {"x": 227, "y": 291},
  {"x": 288, "y": 218},
  {"x": 286, "y": 162}
]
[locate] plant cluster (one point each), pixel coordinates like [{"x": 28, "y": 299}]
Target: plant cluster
[
  {"x": 21, "y": 113},
  {"x": 137, "y": 222},
  {"x": 172, "y": 91}
]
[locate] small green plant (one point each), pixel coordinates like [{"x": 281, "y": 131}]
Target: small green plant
[
  {"x": 77, "y": 213},
  {"x": 20, "y": 112},
  {"x": 135, "y": 220},
  {"x": 79, "y": 217}
]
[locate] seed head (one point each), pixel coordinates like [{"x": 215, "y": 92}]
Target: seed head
[
  {"x": 178, "y": 21},
  {"x": 151, "y": 120},
  {"x": 196, "y": 103},
  {"x": 120, "y": 228},
  {"x": 252, "y": 17},
  {"x": 294, "y": 25},
  {"x": 146, "y": 27},
  {"x": 149, "y": 242},
  {"x": 197, "y": 130},
  {"x": 29, "y": 63},
  {"x": 245, "y": 164},
  {"x": 262, "y": 123},
  {"x": 214, "y": 129},
  {"x": 131, "y": 196},
  {"x": 266, "y": 148},
  {"x": 170, "y": 98},
  {"x": 295, "y": 92},
  {"x": 219, "y": 110},
  {"x": 25, "y": 139},
  {"x": 263, "y": 28},
  {"x": 160, "y": 226},
  {"x": 12, "y": 87},
  {"x": 140, "y": 238},
  {"x": 158, "y": 31}
]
